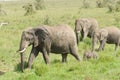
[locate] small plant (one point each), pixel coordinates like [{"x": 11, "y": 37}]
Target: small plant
[
  {"x": 47, "y": 20},
  {"x": 118, "y": 6},
  {"x": 86, "y": 4},
  {"x": 39, "y": 4},
  {"x": 29, "y": 9},
  {"x": 99, "y": 3},
  {"x": 2, "y": 12},
  {"x": 111, "y": 7}
]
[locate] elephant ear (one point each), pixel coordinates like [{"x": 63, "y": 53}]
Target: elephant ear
[
  {"x": 103, "y": 34},
  {"x": 77, "y": 25},
  {"x": 41, "y": 34}
]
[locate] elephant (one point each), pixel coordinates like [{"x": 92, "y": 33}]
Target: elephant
[
  {"x": 90, "y": 54},
  {"x": 85, "y": 27},
  {"x": 101, "y": 36},
  {"x": 45, "y": 39},
  {"x": 110, "y": 35}
]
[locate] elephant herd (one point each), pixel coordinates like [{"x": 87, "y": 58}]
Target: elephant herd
[
  {"x": 88, "y": 27},
  {"x": 62, "y": 39}
]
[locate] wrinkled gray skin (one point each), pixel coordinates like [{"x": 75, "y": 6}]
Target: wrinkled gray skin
[
  {"x": 59, "y": 39},
  {"x": 111, "y": 36},
  {"x": 85, "y": 27},
  {"x": 90, "y": 55},
  {"x": 101, "y": 36}
]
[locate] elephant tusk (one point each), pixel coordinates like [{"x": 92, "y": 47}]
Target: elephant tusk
[{"x": 22, "y": 50}]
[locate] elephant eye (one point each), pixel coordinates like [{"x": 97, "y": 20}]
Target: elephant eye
[{"x": 27, "y": 39}]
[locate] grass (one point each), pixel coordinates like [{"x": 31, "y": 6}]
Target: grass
[{"x": 107, "y": 67}]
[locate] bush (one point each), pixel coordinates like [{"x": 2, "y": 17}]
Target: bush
[
  {"x": 29, "y": 9},
  {"x": 86, "y": 4},
  {"x": 39, "y": 4},
  {"x": 102, "y": 3},
  {"x": 99, "y": 3},
  {"x": 47, "y": 20},
  {"x": 2, "y": 12},
  {"x": 111, "y": 7},
  {"x": 118, "y": 6}
]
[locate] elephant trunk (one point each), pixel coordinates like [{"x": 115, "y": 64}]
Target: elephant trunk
[
  {"x": 94, "y": 41},
  {"x": 23, "y": 46},
  {"x": 22, "y": 62},
  {"x": 77, "y": 37},
  {"x": 21, "y": 51}
]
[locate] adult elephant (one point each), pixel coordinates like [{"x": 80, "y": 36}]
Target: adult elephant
[
  {"x": 46, "y": 39},
  {"x": 85, "y": 26},
  {"x": 110, "y": 35}
]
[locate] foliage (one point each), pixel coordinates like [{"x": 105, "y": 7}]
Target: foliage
[
  {"x": 47, "y": 20},
  {"x": 2, "y": 12},
  {"x": 113, "y": 6},
  {"x": 39, "y": 4},
  {"x": 86, "y": 4},
  {"x": 29, "y": 9}
]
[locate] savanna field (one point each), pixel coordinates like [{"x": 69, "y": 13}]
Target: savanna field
[{"x": 106, "y": 67}]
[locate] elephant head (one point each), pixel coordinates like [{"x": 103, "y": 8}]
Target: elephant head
[
  {"x": 101, "y": 36},
  {"x": 82, "y": 26},
  {"x": 32, "y": 36}
]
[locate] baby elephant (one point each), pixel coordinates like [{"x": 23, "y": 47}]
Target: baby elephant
[{"x": 90, "y": 54}]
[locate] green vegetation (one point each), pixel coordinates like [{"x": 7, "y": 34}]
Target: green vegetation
[{"x": 107, "y": 67}]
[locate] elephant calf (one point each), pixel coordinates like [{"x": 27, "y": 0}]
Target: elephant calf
[
  {"x": 90, "y": 54},
  {"x": 85, "y": 27},
  {"x": 110, "y": 35},
  {"x": 45, "y": 39}
]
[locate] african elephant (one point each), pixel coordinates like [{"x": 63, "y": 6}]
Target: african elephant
[
  {"x": 46, "y": 39},
  {"x": 90, "y": 54},
  {"x": 110, "y": 35},
  {"x": 85, "y": 27},
  {"x": 101, "y": 36}
]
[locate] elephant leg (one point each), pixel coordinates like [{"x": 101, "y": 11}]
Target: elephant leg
[
  {"x": 74, "y": 52},
  {"x": 116, "y": 46},
  {"x": 78, "y": 37},
  {"x": 64, "y": 57},
  {"x": 33, "y": 55},
  {"x": 82, "y": 35},
  {"x": 104, "y": 42},
  {"x": 46, "y": 56},
  {"x": 101, "y": 45}
]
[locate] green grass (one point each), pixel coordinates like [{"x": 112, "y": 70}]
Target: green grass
[{"x": 106, "y": 67}]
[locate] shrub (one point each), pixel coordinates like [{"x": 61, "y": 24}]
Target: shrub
[
  {"x": 118, "y": 6},
  {"x": 47, "y": 20},
  {"x": 111, "y": 7},
  {"x": 2, "y": 12},
  {"x": 102, "y": 3},
  {"x": 86, "y": 4},
  {"x": 29, "y": 9},
  {"x": 39, "y": 4},
  {"x": 99, "y": 3}
]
